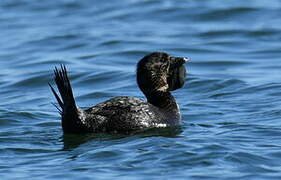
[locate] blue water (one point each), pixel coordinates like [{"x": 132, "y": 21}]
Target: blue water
[{"x": 231, "y": 104}]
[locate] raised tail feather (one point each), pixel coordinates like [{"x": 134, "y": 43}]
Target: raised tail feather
[{"x": 67, "y": 106}]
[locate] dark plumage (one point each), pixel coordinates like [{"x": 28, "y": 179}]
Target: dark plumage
[{"x": 157, "y": 74}]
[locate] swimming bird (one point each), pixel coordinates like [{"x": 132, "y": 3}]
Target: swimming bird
[{"x": 158, "y": 73}]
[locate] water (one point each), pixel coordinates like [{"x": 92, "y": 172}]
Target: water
[{"x": 231, "y": 103}]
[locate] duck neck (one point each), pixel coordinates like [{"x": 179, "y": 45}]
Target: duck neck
[{"x": 163, "y": 100}]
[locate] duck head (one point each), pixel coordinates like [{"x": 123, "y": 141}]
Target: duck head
[{"x": 161, "y": 72}]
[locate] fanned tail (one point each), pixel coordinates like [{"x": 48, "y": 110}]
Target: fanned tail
[{"x": 67, "y": 106}]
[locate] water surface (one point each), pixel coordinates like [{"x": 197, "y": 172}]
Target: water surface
[{"x": 231, "y": 103}]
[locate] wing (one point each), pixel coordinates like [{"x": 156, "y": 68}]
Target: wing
[{"x": 121, "y": 114}]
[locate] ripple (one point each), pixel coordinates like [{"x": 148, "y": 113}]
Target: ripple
[
  {"x": 209, "y": 64},
  {"x": 222, "y": 14}
]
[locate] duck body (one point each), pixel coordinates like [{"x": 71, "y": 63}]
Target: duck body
[{"x": 124, "y": 113}]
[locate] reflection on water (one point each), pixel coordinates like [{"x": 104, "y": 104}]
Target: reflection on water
[{"x": 72, "y": 141}]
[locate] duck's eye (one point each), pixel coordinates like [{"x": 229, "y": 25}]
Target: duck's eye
[{"x": 164, "y": 67}]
